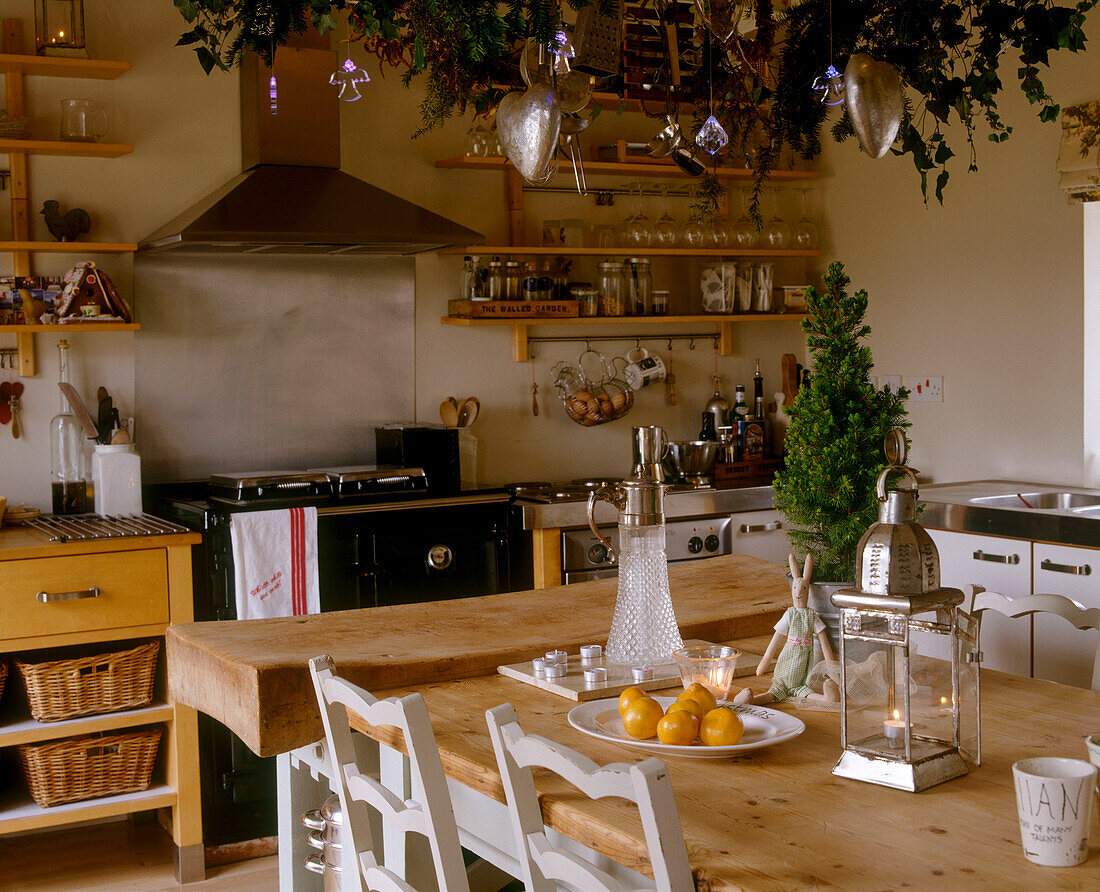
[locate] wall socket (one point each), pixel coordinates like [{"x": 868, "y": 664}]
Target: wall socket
[
  {"x": 891, "y": 381},
  {"x": 926, "y": 390}
]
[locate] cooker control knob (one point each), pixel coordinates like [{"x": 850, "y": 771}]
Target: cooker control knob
[
  {"x": 440, "y": 557},
  {"x": 695, "y": 544},
  {"x": 711, "y": 543},
  {"x": 597, "y": 554}
]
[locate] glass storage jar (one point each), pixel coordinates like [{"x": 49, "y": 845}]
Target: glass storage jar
[
  {"x": 513, "y": 280},
  {"x": 659, "y": 307},
  {"x": 587, "y": 298},
  {"x": 639, "y": 286},
  {"x": 612, "y": 288},
  {"x": 494, "y": 283}
]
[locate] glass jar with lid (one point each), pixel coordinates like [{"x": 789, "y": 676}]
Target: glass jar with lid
[
  {"x": 639, "y": 286},
  {"x": 659, "y": 305},
  {"x": 587, "y": 298},
  {"x": 513, "y": 280},
  {"x": 612, "y": 288},
  {"x": 494, "y": 282}
]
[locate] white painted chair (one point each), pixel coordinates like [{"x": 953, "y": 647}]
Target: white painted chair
[
  {"x": 647, "y": 784},
  {"x": 432, "y": 818},
  {"x": 1058, "y": 605}
]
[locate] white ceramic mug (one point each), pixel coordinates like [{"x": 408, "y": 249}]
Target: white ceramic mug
[
  {"x": 1092, "y": 744},
  {"x": 643, "y": 369},
  {"x": 1054, "y": 803}
]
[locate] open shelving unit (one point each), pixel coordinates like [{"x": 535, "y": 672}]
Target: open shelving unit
[
  {"x": 14, "y": 66},
  {"x": 663, "y": 170}
]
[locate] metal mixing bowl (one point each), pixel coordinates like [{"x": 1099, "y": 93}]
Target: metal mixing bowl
[{"x": 692, "y": 459}]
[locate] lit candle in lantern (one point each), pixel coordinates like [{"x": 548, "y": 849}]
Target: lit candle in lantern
[{"x": 894, "y": 729}]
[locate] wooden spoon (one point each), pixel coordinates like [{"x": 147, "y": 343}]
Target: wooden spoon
[
  {"x": 468, "y": 411},
  {"x": 448, "y": 412}
]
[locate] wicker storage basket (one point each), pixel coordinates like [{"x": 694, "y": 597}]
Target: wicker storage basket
[
  {"x": 63, "y": 689},
  {"x": 79, "y": 768}
]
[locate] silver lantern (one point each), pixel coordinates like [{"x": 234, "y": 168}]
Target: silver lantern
[{"x": 910, "y": 701}]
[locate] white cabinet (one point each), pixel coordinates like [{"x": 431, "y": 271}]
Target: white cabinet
[
  {"x": 1000, "y": 565},
  {"x": 1016, "y": 568},
  {"x": 1063, "y": 653},
  {"x": 760, "y": 534}
]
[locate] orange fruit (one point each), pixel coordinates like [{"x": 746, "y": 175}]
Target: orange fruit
[
  {"x": 641, "y": 718},
  {"x": 690, "y": 705},
  {"x": 721, "y": 727},
  {"x": 703, "y": 694},
  {"x": 678, "y": 728},
  {"x": 627, "y": 697}
]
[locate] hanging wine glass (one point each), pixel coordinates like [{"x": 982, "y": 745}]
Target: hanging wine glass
[
  {"x": 743, "y": 234},
  {"x": 777, "y": 233},
  {"x": 718, "y": 233},
  {"x": 665, "y": 231},
  {"x": 639, "y": 231},
  {"x": 804, "y": 232},
  {"x": 625, "y": 232},
  {"x": 694, "y": 232}
]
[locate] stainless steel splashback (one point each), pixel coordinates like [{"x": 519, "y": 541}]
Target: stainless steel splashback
[{"x": 250, "y": 362}]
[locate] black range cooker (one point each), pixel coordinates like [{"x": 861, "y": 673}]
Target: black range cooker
[{"x": 385, "y": 536}]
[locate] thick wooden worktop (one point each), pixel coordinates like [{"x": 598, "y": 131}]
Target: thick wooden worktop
[
  {"x": 17, "y": 543},
  {"x": 252, "y": 675}
]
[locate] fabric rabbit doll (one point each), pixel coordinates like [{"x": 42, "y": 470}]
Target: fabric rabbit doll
[{"x": 796, "y": 630}]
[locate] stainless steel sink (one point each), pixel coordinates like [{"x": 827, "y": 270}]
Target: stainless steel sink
[
  {"x": 1093, "y": 511},
  {"x": 1059, "y": 501}
]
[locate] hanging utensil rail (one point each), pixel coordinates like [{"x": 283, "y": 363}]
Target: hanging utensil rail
[{"x": 637, "y": 338}]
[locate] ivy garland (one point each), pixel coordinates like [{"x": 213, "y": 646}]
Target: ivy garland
[{"x": 949, "y": 56}]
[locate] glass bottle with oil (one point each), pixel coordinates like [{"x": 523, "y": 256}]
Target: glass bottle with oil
[{"x": 68, "y": 457}]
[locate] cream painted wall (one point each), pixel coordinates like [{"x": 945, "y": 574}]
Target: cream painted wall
[{"x": 986, "y": 291}]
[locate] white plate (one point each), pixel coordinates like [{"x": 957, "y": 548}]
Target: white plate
[{"x": 763, "y": 727}]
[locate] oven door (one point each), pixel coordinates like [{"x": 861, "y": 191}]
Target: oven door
[{"x": 409, "y": 556}]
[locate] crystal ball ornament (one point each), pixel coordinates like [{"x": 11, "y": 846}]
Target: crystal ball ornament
[{"x": 711, "y": 136}]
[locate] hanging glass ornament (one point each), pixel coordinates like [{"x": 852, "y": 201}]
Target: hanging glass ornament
[
  {"x": 347, "y": 78},
  {"x": 831, "y": 86},
  {"x": 273, "y": 94},
  {"x": 561, "y": 46},
  {"x": 711, "y": 136}
]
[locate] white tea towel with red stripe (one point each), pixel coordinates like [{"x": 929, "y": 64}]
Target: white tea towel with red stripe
[{"x": 275, "y": 563}]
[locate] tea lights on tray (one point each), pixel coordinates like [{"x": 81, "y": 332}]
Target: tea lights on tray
[
  {"x": 641, "y": 673},
  {"x": 538, "y": 665},
  {"x": 590, "y": 653},
  {"x": 557, "y": 656},
  {"x": 595, "y": 675},
  {"x": 554, "y": 670}
]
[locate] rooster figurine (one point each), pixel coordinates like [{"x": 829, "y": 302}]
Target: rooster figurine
[{"x": 65, "y": 227}]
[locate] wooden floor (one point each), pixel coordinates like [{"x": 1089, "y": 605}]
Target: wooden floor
[{"x": 120, "y": 857}]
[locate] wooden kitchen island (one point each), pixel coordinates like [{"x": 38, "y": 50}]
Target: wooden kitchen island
[{"x": 775, "y": 818}]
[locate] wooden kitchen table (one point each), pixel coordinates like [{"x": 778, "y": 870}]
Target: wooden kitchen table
[{"x": 776, "y": 818}]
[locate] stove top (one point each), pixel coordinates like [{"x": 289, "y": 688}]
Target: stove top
[{"x": 316, "y": 485}]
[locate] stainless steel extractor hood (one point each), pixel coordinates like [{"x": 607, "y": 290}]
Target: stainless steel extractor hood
[{"x": 293, "y": 198}]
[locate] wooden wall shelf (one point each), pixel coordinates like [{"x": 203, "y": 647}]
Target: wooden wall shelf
[
  {"x": 65, "y": 147},
  {"x": 72, "y": 326},
  {"x": 724, "y": 321},
  {"x": 558, "y": 251},
  {"x": 54, "y": 66},
  {"x": 70, "y": 247},
  {"x": 660, "y": 170}
]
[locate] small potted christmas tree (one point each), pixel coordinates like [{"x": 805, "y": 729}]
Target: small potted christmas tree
[{"x": 834, "y": 444}]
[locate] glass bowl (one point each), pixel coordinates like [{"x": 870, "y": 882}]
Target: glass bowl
[{"x": 712, "y": 665}]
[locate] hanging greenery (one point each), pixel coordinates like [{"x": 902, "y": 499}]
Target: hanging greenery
[{"x": 949, "y": 56}]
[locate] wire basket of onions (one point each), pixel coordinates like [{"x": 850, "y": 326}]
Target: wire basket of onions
[{"x": 591, "y": 399}]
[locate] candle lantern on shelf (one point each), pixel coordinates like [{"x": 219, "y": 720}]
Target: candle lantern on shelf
[
  {"x": 911, "y": 706},
  {"x": 59, "y": 26}
]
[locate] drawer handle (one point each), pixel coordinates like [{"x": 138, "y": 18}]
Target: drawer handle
[
  {"x": 761, "y": 527},
  {"x": 1082, "y": 570},
  {"x": 980, "y": 555},
  {"x": 51, "y": 597}
]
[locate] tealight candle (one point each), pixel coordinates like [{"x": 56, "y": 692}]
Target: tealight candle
[
  {"x": 595, "y": 674},
  {"x": 642, "y": 673},
  {"x": 538, "y": 665},
  {"x": 554, "y": 670},
  {"x": 557, "y": 656},
  {"x": 894, "y": 730},
  {"x": 590, "y": 653}
]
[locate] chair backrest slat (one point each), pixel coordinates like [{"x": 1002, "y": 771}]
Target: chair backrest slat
[
  {"x": 646, "y": 784},
  {"x": 433, "y": 817},
  {"x": 1056, "y": 605}
]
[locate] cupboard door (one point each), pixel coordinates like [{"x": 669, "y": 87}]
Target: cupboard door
[
  {"x": 1062, "y": 653},
  {"x": 999, "y": 565},
  {"x": 760, "y": 534}
]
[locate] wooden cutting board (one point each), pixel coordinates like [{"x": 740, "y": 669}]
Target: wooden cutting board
[
  {"x": 573, "y": 686},
  {"x": 789, "y": 377}
]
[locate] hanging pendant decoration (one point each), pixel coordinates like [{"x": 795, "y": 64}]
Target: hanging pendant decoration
[
  {"x": 529, "y": 124},
  {"x": 721, "y": 16},
  {"x": 873, "y": 97},
  {"x": 273, "y": 94},
  {"x": 348, "y": 78},
  {"x": 712, "y": 136},
  {"x": 831, "y": 86}
]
